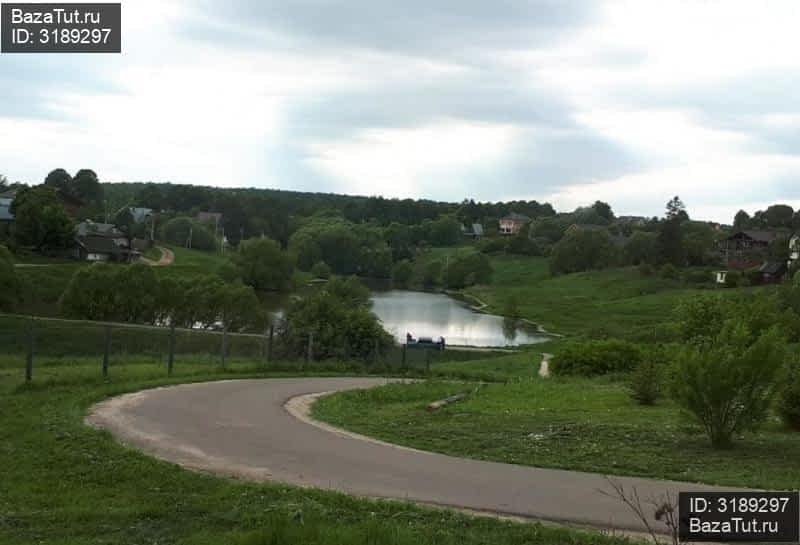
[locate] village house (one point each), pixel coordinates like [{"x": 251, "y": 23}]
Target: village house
[
  {"x": 475, "y": 232},
  {"x": 512, "y": 223},
  {"x": 102, "y": 242},
  {"x": 6, "y": 217},
  {"x": 746, "y": 249}
]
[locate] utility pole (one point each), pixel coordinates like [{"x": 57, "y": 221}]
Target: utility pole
[{"x": 189, "y": 241}]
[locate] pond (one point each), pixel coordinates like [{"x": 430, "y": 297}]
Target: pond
[{"x": 433, "y": 315}]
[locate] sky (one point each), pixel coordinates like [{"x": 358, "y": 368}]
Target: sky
[{"x": 629, "y": 102}]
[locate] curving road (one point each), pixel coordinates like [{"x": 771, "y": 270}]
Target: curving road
[{"x": 243, "y": 428}]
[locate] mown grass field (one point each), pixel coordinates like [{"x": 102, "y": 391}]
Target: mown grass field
[
  {"x": 64, "y": 483},
  {"x": 581, "y": 424}
]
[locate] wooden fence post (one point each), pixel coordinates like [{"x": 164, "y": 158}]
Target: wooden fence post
[
  {"x": 107, "y": 350},
  {"x": 224, "y": 343},
  {"x": 171, "y": 355},
  {"x": 31, "y": 348}
]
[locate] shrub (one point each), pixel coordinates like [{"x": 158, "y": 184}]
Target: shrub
[
  {"x": 596, "y": 358},
  {"x": 732, "y": 279},
  {"x": 697, "y": 277},
  {"x": 789, "y": 399},
  {"x": 520, "y": 244},
  {"x": 180, "y": 230},
  {"x": 321, "y": 270},
  {"x": 645, "y": 382},
  {"x": 433, "y": 273},
  {"x": 263, "y": 265},
  {"x": 468, "y": 270},
  {"x": 492, "y": 245},
  {"x": 727, "y": 383},
  {"x": 402, "y": 273},
  {"x": 8, "y": 281},
  {"x": 645, "y": 269},
  {"x": 670, "y": 272}
]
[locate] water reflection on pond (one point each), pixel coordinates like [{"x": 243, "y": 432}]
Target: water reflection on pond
[{"x": 434, "y": 315}]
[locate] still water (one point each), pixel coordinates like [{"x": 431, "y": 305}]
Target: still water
[{"x": 434, "y": 315}]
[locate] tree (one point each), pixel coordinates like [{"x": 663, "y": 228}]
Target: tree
[
  {"x": 728, "y": 384},
  {"x": 59, "y": 179},
  {"x": 779, "y": 215},
  {"x": 321, "y": 270},
  {"x": 9, "y": 294},
  {"x": 86, "y": 186},
  {"x": 3, "y": 183},
  {"x": 402, "y": 273},
  {"x": 603, "y": 209},
  {"x": 467, "y": 270},
  {"x": 186, "y": 232},
  {"x": 342, "y": 326},
  {"x": 582, "y": 250},
  {"x": 670, "y": 242},
  {"x": 124, "y": 220},
  {"x": 641, "y": 249},
  {"x": 676, "y": 209},
  {"x": 40, "y": 219},
  {"x": 741, "y": 220},
  {"x": 263, "y": 265},
  {"x": 432, "y": 275}
]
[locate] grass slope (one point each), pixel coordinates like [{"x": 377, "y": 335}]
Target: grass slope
[
  {"x": 589, "y": 425},
  {"x": 63, "y": 483}
]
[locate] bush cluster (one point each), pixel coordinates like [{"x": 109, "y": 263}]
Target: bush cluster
[{"x": 590, "y": 358}]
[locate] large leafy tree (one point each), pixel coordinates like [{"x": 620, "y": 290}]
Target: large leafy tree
[
  {"x": 87, "y": 187},
  {"x": 59, "y": 179},
  {"x": 741, "y": 220},
  {"x": 263, "y": 265},
  {"x": 41, "y": 221},
  {"x": 582, "y": 250}
]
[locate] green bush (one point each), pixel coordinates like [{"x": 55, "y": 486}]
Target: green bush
[
  {"x": 670, "y": 272},
  {"x": 728, "y": 382},
  {"x": 645, "y": 269},
  {"x": 492, "y": 245},
  {"x": 402, "y": 273},
  {"x": 789, "y": 399},
  {"x": 645, "y": 382},
  {"x": 432, "y": 276},
  {"x": 697, "y": 277},
  {"x": 520, "y": 244},
  {"x": 601, "y": 357},
  {"x": 733, "y": 279},
  {"x": 321, "y": 270},
  {"x": 468, "y": 270}
]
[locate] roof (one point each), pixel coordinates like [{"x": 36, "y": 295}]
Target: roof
[
  {"x": 773, "y": 267},
  {"x": 98, "y": 244},
  {"x": 513, "y": 216},
  {"x": 209, "y": 216},
  {"x": 88, "y": 228},
  {"x": 140, "y": 214},
  {"x": 5, "y": 212},
  {"x": 760, "y": 236}
]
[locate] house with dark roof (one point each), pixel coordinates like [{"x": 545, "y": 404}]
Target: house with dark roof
[
  {"x": 512, "y": 223},
  {"x": 103, "y": 242},
  {"x": 747, "y": 249}
]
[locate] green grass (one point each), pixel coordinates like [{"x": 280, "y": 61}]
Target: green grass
[
  {"x": 64, "y": 483},
  {"x": 580, "y": 424},
  {"x": 613, "y": 302}
]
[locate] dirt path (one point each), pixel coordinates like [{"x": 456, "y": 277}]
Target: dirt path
[
  {"x": 247, "y": 428},
  {"x": 167, "y": 258}
]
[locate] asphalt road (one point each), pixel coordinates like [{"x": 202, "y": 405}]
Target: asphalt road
[{"x": 242, "y": 428}]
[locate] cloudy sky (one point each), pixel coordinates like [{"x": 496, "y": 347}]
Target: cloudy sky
[{"x": 630, "y": 102}]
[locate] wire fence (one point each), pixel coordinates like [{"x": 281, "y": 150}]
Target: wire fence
[{"x": 29, "y": 343}]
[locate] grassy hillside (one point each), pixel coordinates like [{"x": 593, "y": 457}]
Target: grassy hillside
[{"x": 617, "y": 302}]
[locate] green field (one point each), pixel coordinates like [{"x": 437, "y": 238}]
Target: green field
[
  {"x": 582, "y": 424},
  {"x": 611, "y": 302},
  {"x": 64, "y": 483}
]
